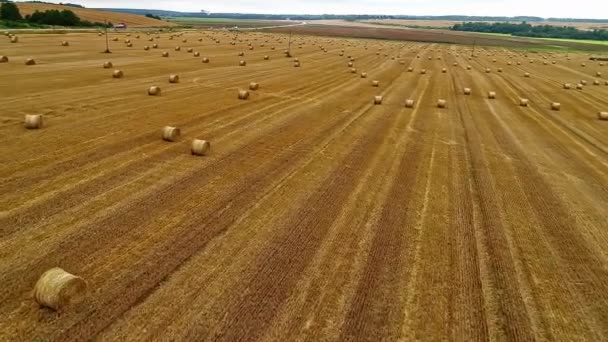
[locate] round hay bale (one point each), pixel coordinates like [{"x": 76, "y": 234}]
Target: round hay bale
[
  {"x": 467, "y": 91},
  {"x": 173, "y": 78},
  {"x": 598, "y": 74},
  {"x": 296, "y": 59},
  {"x": 455, "y": 64},
  {"x": 556, "y": 106},
  {"x": 527, "y": 74},
  {"x": 241, "y": 54},
  {"x": 129, "y": 45},
  {"x": 200, "y": 147},
  {"x": 410, "y": 69},
  {"x": 444, "y": 70},
  {"x": 441, "y": 103},
  {"x": 583, "y": 65},
  {"x": 155, "y": 46},
  {"x": 409, "y": 103},
  {"x": 205, "y": 60},
  {"x": 579, "y": 86},
  {"x": 107, "y": 65},
  {"x": 65, "y": 43},
  {"x": 353, "y": 71},
  {"x": 375, "y": 83},
  {"x": 242, "y": 63},
  {"x": 33, "y": 121},
  {"x": 184, "y": 40},
  {"x": 165, "y": 54},
  {"x": 469, "y": 67},
  {"x": 488, "y": 70},
  {"x": 243, "y": 94},
  {"x": 58, "y": 289},
  {"x": 518, "y": 63},
  {"x": 196, "y": 54},
  {"x": 350, "y": 64},
  {"x": 499, "y": 69},
  {"x": 178, "y": 48},
  {"x": 146, "y": 48},
  {"x": 378, "y": 100},
  {"x": 3, "y": 59},
  {"x": 509, "y": 63},
  {"x": 492, "y": 95},
  {"x": 423, "y": 72},
  {"x": 117, "y": 74},
  {"x": 170, "y": 133},
  {"x": 266, "y": 57},
  {"x": 567, "y": 85},
  {"x": 115, "y": 39},
  {"x": 127, "y": 41},
  {"x": 154, "y": 91},
  {"x": 189, "y": 50},
  {"x": 602, "y": 116},
  {"x": 14, "y": 39},
  {"x": 363, "y": 75},
  {"x": 254, "y": 86},
  {"x": 30, "y": 61},
  {"x": 583, "y": 82},
  {"x": 596, "y": 82},
  {"x": 523, "y": 102},
  {"x": 296, "y": 64}
]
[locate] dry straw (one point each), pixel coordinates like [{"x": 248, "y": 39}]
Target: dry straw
[
  {"x": 117, "y": 74},
  {"x": 170, "y": 133},
  {"x": 467, "y": 91},
  {"x": 378, "y": 100},
  {"x": 254, "y": 86},
  {"x": 423, "y": 72},
  {"x": 205, "y": 60},
  {"x": 242, "y": 63},
  {"x": 107, "y": 65},
  {"x": 492, "y": 95},
  {"x": 409, "y": 103},
  {"x": 567, "y": 86},
  {"x": 441, "y": 103},
  {"x": 579, "y": 86},
  {"x": 556, "y": 106},
  {"x": 375, "y": 83},
  {"x": 154, "y": 91},
  {"x": 363, "y": 75},
  {"x": 173, "y": 78},
  {"x": 200, "y": 147},
  {"x": 523, "y": 102},
  {"x": 296, "y": 64},
  {"x": 58, "y": 289},
  {"x": 243, "y": 94},
  {"x": 410, "y": 69},
  {"x": 33, "y": 121}
]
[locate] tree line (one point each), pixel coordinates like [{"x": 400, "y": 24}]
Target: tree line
[
  {"x": 10, "y": 12},
  {"x": 539, "y": 31}
]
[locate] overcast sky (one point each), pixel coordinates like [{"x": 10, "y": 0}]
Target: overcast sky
[{"x": 595, "y": 9}]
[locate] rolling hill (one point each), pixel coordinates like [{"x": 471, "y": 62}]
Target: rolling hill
[{"x": 132, "y": 20}]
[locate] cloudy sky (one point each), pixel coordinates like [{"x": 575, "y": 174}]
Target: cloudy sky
[{"x": 596, "y": 9}]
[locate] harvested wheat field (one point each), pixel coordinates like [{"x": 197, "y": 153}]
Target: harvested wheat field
[{"x": 317, "y": 207}]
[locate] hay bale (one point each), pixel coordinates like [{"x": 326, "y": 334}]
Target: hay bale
[
  {"x": 173, "y": 78},
  {"x": 243, "y": 94},
  {"x": 200, "y": 147},
  {"x": 378, "y": 100},
  {"x": 350, "y": 64},
  {"x": 567, "y": 85},
  {"x": 488, "y": 70},
  {"x": 266, "y": 57},
  {"x": 65, "y": 43},
  {"x": 602, "y": 116},
  {"x": 523, "y": 102},
  {"x": 178, "y": 48},
  {"x": 469, "y": 67},
  {"x": 107, "y": 65},
  {"x": 455, "y": 64},
  {"x": 170, "y": 133},
  {"x": 583, "y": 65},
  {"x": 205, "y": 60},
  {"x": 33, "y": 121},
  {"x": 492, "y": 95},
  {"x": 196, "y": 54},
  {"x": 596, "y": 82},
  {"x": 146, "y": 48},
  {"x": 254, "y": 86},
  {"x": 117, "y": 74},
  {"x": 410, "y": 69},
  {"x": 154, "y": 91},
  {"x": 467, "y": 91},
  {"x": 296, "y": 59},
  {"x": 241, "y": 54},
  {"x": 129, "y": 45},
  {"x": 441, "y": 103},
  {"x": 155, "y": 46},
  {"x": 423, "y": 72},
  {"x": 556, "y": 106},
  {"x": 30, "y": 61},
  {"x": 115, "y": 39},
  {"x": 598, "y": 74},
  {"x": 165, "y": 54},
  {"x": 509, "y": 63},
  {"x": 58, "y": 289},
  {"x": 444, "y": 70},
  {"x": 499, "y": 69},
  {"x": 363, "y": 75},
  {"x": 353, "y": 71},
  {"x": 583, "y": 82},
  {"x": 242, "y": 63},
  {"x": 14, "y": 39},
  {"x": 296, "y": 64},
  {"x": 527, "y": 74},
  {"x": 409, "y": 103},
  {"x": 3, "y": 59},
  {"x": 579, "y": 86},
  {"x": 375, "y": 84}
]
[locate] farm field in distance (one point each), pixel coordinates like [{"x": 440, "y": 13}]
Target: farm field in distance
[
  {"x": 450, "y": 23},
  {"x": 226, "y": 22},
  {"x": 317, "y": 215}
]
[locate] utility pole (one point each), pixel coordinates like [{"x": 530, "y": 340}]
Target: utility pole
[
  {"x": 105, "y": 22},
  {"x": 289, "y": 46},
  {"x": 474, "y": 43}
]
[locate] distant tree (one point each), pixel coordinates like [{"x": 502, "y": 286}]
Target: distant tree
[
  {"x": 10, "y": 11},
  {"x": 149, "y": 15}
]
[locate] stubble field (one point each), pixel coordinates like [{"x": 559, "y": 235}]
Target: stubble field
[{"x": 317, "y": 215}]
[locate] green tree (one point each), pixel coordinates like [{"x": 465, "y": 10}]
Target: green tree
[{"x": 10, "y": 11}]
